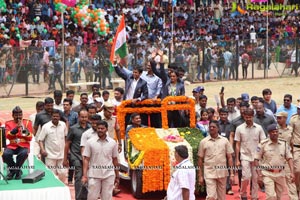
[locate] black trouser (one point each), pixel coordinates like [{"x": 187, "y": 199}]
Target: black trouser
[
  {"x": 174, "y": 119},
  {"x": 228, "y": 183},
  {"x": 245, "y": 71},
  {"x": 22, "y": 154},
  {"x": 71, "y": 169},
  {"x": 295, "y": 68},
  {"x": 35, "y": 71},
  {"x": 58, "y": 77},
  {"x": 80, "y": 190}
]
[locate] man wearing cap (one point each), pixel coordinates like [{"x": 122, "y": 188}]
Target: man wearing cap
[
  {"x": 113, "y": 130},
  {"x": 113, "y": 125},
  {"x": 271, "y": 171},
  {"x": 295, "y": 124},
  {"x": 245, "y": 97},
  {"x": 285, "y": 133},
  {"x": 19, "y": 134}
]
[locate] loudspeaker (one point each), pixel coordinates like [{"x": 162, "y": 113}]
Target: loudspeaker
[{"x": 34, "y": 177}]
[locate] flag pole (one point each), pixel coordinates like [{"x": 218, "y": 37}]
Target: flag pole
[
  {"x": 172, "y": 29},
  {"x": 63, "y": 48}
]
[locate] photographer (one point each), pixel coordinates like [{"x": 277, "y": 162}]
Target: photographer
[{"x": 19, "y": 134}]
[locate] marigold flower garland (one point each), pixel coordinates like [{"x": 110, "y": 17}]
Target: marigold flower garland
[
  {"x": 156, "y": 155},
  {"x": 187, "y": 104},
  {"x": 123, "y": 109},
  {"x": 184, "y": 103},
  {"x": 136, "y": 160}
]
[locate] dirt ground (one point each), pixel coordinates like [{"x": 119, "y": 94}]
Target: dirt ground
[{"x": 279, "y": 87}]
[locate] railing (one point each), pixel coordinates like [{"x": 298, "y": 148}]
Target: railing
[{"x": 20, "y": 68}]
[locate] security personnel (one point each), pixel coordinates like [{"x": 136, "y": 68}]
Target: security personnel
[
  {"x": 295, "y": 124},
  {"x": 19, "y": 134},
  {"x": 285, "y": 133},
  {"x": 270, "y": 153},
  {"x": 214, "y": 153}
]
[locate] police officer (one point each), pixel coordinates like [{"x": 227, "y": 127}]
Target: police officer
[
  {"x": 295, "y": 124},
  {"x": 19, "y": 134},
  {"x": 270, "y": 153},
  {"x": 214, "y": 153},
  {"x": 285, "y": 133}
]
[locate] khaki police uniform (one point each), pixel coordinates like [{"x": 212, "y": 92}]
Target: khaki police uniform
[
  {"x": 286, "y": 134},
  {"x": 214, "y": 152},
  {"x": 295, "y": 124},
  {"x": 272, "y": 166}
]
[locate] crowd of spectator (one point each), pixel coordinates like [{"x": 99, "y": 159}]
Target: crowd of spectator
[
  {"x": 205, "y": 24},
  {"x": 147, "y": 22}
]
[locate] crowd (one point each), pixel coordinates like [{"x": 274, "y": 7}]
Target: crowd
[
  {"x": 207, "y": 25},
  {"x": 243, "y": 132},
  {"x": 252, "y": 131}
]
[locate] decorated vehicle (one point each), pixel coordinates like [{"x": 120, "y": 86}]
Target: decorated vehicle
[{"x": 149, "y": 158}]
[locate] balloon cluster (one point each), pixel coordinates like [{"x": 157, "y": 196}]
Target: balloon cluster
[
  {"x": 2, "y": 26},
  {"x": 12, "y": 29},
  {"x": 83, "y": 16},
  {"x": 2, "y": 6},
  {"x": 236, "y": 10}
]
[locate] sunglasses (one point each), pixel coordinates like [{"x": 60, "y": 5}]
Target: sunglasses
[{"x": 286, "y": 100}]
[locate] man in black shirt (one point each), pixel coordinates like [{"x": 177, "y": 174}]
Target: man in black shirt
[
  {"x": 225, "y": 129},
  {"x": 73, "y": 144}
]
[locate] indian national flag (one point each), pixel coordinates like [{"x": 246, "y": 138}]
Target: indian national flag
[{"x": 119, "y": 44}]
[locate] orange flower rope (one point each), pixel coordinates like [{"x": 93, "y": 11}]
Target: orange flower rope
[
  {"x": 184, "y": 103},
  {"x": 156, "y": 154}
]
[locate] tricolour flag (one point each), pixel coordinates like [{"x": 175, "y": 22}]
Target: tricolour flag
[{"x": 119, "y": 44}]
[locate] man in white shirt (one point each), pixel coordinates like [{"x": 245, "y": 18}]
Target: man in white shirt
[
  {"x": 118, "y": 96},
  {"x": 58, "y": 100},
  {"x": 135, "y": 87},
  {"x": 52, "y": 144},
  {"x": 182, "y": 183}
]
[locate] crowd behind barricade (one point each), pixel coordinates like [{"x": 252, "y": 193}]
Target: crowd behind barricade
[
  {"x": 247, "y": 136},
  {"x": 90, "y": 126},
  {"x": 209, "y": 25}
]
